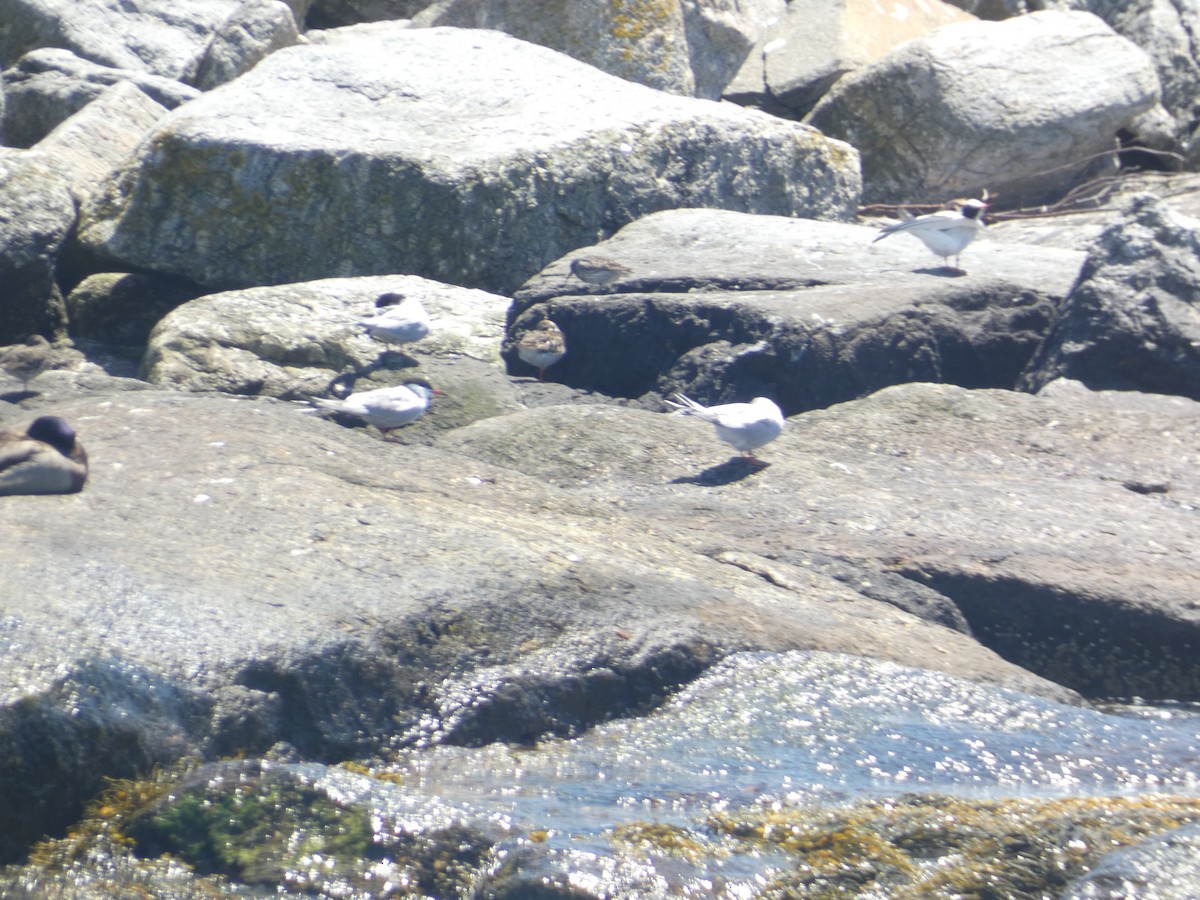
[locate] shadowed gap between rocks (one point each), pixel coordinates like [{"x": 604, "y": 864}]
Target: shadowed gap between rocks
[
  {"x": 629, "y": 345},
  {"x": 560, "y": 705},
  {"x": 1105, "y": 651},
  {"x": 342, "y": 705}
]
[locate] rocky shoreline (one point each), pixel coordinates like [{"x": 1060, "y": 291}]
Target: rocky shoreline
[{"x": 551, "y": 640}]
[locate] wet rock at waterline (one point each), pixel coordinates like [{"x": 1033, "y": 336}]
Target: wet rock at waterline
[{"x": 769, "y": 770}]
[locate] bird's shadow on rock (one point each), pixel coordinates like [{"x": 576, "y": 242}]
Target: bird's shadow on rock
[
  {"x": 941, "y": 272},
  {"x": 728, "y": 472},
  {"x": 341, "y": 386},
  {"x": 18, "y": 396}
]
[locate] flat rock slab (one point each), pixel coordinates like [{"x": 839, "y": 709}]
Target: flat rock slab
[
  {"x": 465, "y": 156},
  {"x": 236, "y": 573},
  {"x": 1061, "y": 525},
  {"x": 806, "y": 312}
]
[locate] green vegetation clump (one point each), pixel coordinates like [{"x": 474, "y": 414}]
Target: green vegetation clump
[
  {"x": 941, "y": 847},
  {"x": 224, "y": 828},
  {"x": 257, "y": 831}
]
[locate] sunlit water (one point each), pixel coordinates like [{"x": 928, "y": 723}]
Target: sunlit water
[{"x": 787, "y": 730}]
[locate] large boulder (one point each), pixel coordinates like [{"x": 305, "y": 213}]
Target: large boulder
[
  {"x": 1020, "y": 108},
  {"x": 118, "y": 310},
  {"x": 648, "y": 46},
  {"x": 37, "y": 212},
  {"x": 1165, "y": 866},
  {"x": 722, "y": 34},
  {"x": 46, "y": 87},
  {"x": 161, "y": 37},
  {"x": 344, "y": 159},
  {"x": 255, "y": 30},
  {"x": 816, "y": 42},
  {"x": 810, "y": 313},
  {"x": 91, "y": 144},
  {"x": 296, "y": 341},
  {"x": 1059, "y": 524},
  {"x": 1133, "y": 322},
  {"x": 1165, "y": 30}
]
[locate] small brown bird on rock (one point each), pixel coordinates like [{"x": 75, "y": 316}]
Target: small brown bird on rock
[
  {"x": 598, "y": 269},
  {"x": 542, "y": 346}
]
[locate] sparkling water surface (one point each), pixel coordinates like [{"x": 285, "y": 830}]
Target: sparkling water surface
[{"x": 791, "y": 729}]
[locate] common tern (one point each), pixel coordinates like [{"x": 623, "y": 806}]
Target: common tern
[
  {"x": 946, "y": 233},
  {"x": 387, "y": 408},
  {"x": 745, "y": 426},
  {"x": 400, "y": 320}
]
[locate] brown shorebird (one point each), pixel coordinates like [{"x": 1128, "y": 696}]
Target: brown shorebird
[{"x": 542, "y": 346}]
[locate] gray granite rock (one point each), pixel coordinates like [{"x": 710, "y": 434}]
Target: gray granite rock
[
  {"x": 809, "y": 313},
  {"x": 1165, "y": 30},
  {"x": 353, "y": 588},
  {"x": 363, "y": 172},
  {"x": 1077, "y": 226},
  {"x": 813, "y": 43},
  {"x": 119, "y": 309},
  {"x": 91, "y": 144},
  {"x": 160, "y": 37},
  {"x": 1131, "y": 323},
  {"x": 722, "y": 35},
  {"x": 46, "y": 87},
  {"x": 253, "y": 31},
  {"x": 1020, "y": 108},
  {"x": 301, "y": 340},
  {"x": 646, "y": 46},
  {"x": 1163, "y": 866},
  {"x": 37, "y": 212},
  {"x": 1060, "y": 525}
]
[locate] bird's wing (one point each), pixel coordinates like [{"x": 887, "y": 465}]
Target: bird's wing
[
  {"x": 32, "y": 467},
  {"x": 738, "y": 415},
  {"x": 335, "y": 405},
  {"x": 14, "y": 452},
  {"x": 938, "y": 221},
  {"x": 396, "y": 404},
  {"x": 542, "y": 341},
  {"x": 396, "y": 398}
]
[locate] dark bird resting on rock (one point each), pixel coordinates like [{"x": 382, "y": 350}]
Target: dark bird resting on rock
[{"x": 44, "y": 458}]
